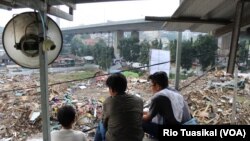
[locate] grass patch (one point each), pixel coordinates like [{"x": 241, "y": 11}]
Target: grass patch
[
  {"x": 71, "y": 76},
  {"x": 182, "y": 76},
  {"x": 130, "y": 74}
]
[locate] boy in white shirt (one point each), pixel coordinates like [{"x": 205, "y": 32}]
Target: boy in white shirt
[{"x": 66, "y": 116}]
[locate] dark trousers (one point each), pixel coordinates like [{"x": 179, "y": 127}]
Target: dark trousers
[
  {"x": 151, "y": 128},
  {"x": 100, "y": 132}
]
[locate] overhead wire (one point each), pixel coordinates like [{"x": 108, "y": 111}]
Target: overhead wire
[
  {"x": 94, "y": 76},
  {"x": 198, "y": 78},
  {"x": 82, "y": 79}
]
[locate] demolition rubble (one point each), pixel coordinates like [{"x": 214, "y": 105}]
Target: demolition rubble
[{"x": 210, "y": 100}]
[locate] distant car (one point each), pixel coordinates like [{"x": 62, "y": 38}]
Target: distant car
[
  {"x": 139, "y": 65},
  {"x": 119, "y": 61},
  {"x": 17, "y": 70},
  {"x": 136, "y": 65}
]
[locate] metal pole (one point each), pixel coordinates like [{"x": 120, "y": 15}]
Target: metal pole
[
  {"x": 178, "y": 60},
  {"x": 43, "y": 58},
  {"x": 235, "y": 37},
  {"x": 233, "y": 118},
  {"x": 248, "y": 54}
]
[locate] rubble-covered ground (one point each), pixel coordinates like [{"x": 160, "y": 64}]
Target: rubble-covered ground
[{"x": 210, "y": 99}]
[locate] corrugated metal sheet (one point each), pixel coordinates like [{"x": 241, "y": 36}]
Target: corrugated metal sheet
[
  {"x": 224, "y": 10},
  {"x": 196, "y": 8},
  {"x": 207, "y": 27},
  {"x": 204, "y": 9},
  {"x": 177, "y": 26}
]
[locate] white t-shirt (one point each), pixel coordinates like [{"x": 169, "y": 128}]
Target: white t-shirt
[{"x": 67, "y": 135}]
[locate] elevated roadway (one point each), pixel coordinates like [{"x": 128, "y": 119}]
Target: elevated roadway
[{"x": 128, "y": 25}]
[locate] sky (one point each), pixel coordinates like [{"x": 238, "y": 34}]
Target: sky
[{"x": 94, "y": 13}]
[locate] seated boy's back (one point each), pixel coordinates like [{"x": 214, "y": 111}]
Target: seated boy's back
[
  {"x": 66, "y": 116},
  {"x": 67, "y": 135}
]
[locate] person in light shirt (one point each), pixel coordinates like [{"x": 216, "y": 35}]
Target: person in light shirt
[
  {"x": 66, "y": 116},
  {"x": 168, "y": 106}
]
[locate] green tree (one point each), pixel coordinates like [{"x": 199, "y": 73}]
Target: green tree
[
  {"x": 85, "y": 36},
  {"x": 100, "y": 51},
  {"x": 124, "y": 46},
  {"x": 144, "y": 52},
  {"x": 85, "y": 50},
  {"x": 160, "y": 45},
  {"x": 243, "y": 51},
  {"x": 67, "y": 38},
  {"x": 76, "y": 45},
  {"x": 66, "y": 49},
  {"x": 206, "y": 47},
  {"x": 172, "y": 47},
  {"x": 129, "y": 49},
  {"x": 156, "y": 44},
  {"x": 103, "y": 54},
  {"x": 187, "y": 54},
  {"x": 76, "y": 42}
]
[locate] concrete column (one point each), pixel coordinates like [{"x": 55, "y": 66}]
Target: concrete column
[
  {"x": 135, "y": 34},
  {"x": 223, "y": 51},
  {"x": 118, "y": 36}
]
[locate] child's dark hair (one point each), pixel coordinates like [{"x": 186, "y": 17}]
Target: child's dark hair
[{"x": 66, "y": 116}]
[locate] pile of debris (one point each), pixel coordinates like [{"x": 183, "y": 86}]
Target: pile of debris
[
  {"x": 17, "y": 108},
  {"x": 211, "y": 98},
  {"x": 20, "y": 111}
]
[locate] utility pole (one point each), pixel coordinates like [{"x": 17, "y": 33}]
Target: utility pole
[{"x": 178, "y": 60}]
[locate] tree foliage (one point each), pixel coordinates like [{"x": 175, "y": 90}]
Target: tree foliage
[
  {"x": 156, "y": 44},
  {"x": 187, "y": 54},
  {"x": 144, "y": 52},
  {"x": 172, "y": 48},
  {"x": 133, "y": 51},
  {"x": 203, "y": 49},
  {"x": 206, "y": 47},
  {"x": 76, "y": 45},
  {"x": 129, "y": 49},
  {"x": 243, "y": 51},
  {"x": 102, "y": 54},
  {"x": 67, "y": 38}
]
